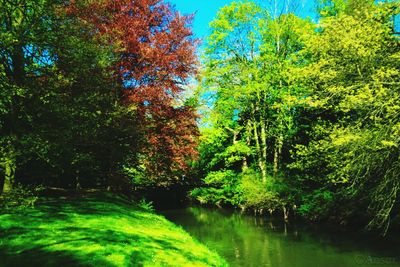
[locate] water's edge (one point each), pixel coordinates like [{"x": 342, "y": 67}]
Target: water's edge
[{"x": 245, "y": 240}]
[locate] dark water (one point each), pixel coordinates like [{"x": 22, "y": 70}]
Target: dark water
[{"x": 245, "y": 240}]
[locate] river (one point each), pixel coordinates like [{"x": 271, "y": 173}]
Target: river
[{"x": 245, "y": 240}]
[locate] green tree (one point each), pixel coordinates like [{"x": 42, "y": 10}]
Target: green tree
[
  {"x": 249, "y": 60},
  {"x": 354, "y": 76},
  {"x": 248, "y": 63},
  {"x": 23, "y": 58},
  {"x": 58, "y": 105}
]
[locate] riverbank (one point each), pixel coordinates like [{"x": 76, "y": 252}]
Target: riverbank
[{"x": 96, "y": 230}]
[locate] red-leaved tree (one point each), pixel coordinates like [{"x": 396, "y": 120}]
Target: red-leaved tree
[{"x": 155, "y": 52}]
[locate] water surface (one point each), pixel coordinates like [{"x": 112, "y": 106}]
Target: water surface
[{"x": 245, "y": 240}]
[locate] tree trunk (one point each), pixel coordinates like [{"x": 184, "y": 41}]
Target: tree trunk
[
  {"x": 10, "y": 165},
  {"x": 15, "y": 74},
  {"x": 18, "y": 65},
  {"x": 264, "y": 150},
  {"x": 276, "y": 159},
  {"x": 285, "y": 213},
  {"x": 261, "y": 162},
  {"x": 245, "y": 165},
  {"x": 277, "y": 154},
  {"x": 235, "y": 134},
  {"x": 261, "y": 148},
  {"x": 77, "y": 182},
  {"x": 263, "y": 168},
  {"x": 9, "y": 177}
]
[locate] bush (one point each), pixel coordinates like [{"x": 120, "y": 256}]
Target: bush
[
  {"x": 213, "y": 196},
  {"x": 21, "y": 196},
  {"x": 317, "y": 205},
  {"x": 255, "y": 194},
  {"x": 146, "y": 205},
  {"x": 223, "y": 189},
  {"x": 244, "y": 190}
]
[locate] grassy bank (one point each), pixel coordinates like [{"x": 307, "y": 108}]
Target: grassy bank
[{"x": 96, "y": 230}]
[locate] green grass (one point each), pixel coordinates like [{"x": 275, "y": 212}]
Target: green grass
[{"x": 96, "y": 230}]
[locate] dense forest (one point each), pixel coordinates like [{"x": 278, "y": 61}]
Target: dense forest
[
  {"x": 303, "y": 118},
  {"x": 290, "y": 116}
]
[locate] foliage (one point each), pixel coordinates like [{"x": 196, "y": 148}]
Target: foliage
[
  {"x": 21, "y": 197},
  {"x": 245, "y": 190},
  {"x": 249, "y": 60},
  {"x": 221, "y": 191},
  {"x": 306, "y": 114},
  {"x": 254, "y": 194},
  {"x": 155, "y": 54},
  {"x": 354, "y": 75},
  {"x": 317, "y": 205},
  {"x": 146, "y": 205},
  {"x": 76, "y": 82}
]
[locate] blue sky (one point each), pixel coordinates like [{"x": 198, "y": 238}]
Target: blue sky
[{"x": 206, "y": 10}]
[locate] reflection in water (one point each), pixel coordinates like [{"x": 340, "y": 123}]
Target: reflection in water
[{"x": 253, "y": 241}]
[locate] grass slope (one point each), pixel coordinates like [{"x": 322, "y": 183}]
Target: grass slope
[{"x": 96, "y": 230}]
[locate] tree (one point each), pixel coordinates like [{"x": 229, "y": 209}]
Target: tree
[
  {"x": 316, "y": 104},
  {"x": 23, "y": 58},
  {"x": 354, "y": 76},
  {"x": 248, "y": 61},
  {"x": 155, "y": 57},
  {"x": 57, "y": 107},
  {"x": 232, "y": 75},
  {"x": 255, "y": 102}
]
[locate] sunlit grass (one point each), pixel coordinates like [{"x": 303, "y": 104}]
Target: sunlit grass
[{"x": 101, "y": 230}]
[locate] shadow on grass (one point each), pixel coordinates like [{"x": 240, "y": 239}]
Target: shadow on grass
[
  {"x": 95, "y": 231},
  {"x": 39, "y": 257}
]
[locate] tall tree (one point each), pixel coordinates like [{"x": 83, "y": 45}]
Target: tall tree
[
  {"x": 248, "y": 61},
  {"x": 155, "y": 57},
  {"x": 354, "y": 75},
  {"x": 23, "y": 58},
  {"x": 57, "y": 109}
]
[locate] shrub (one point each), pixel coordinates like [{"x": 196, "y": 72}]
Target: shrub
[
  {"x": 21, "y": 196},
  {"x": 255, "y": 194},
  {"x": 146, "y": 205},
  {"x": 317, "y": 204}
]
